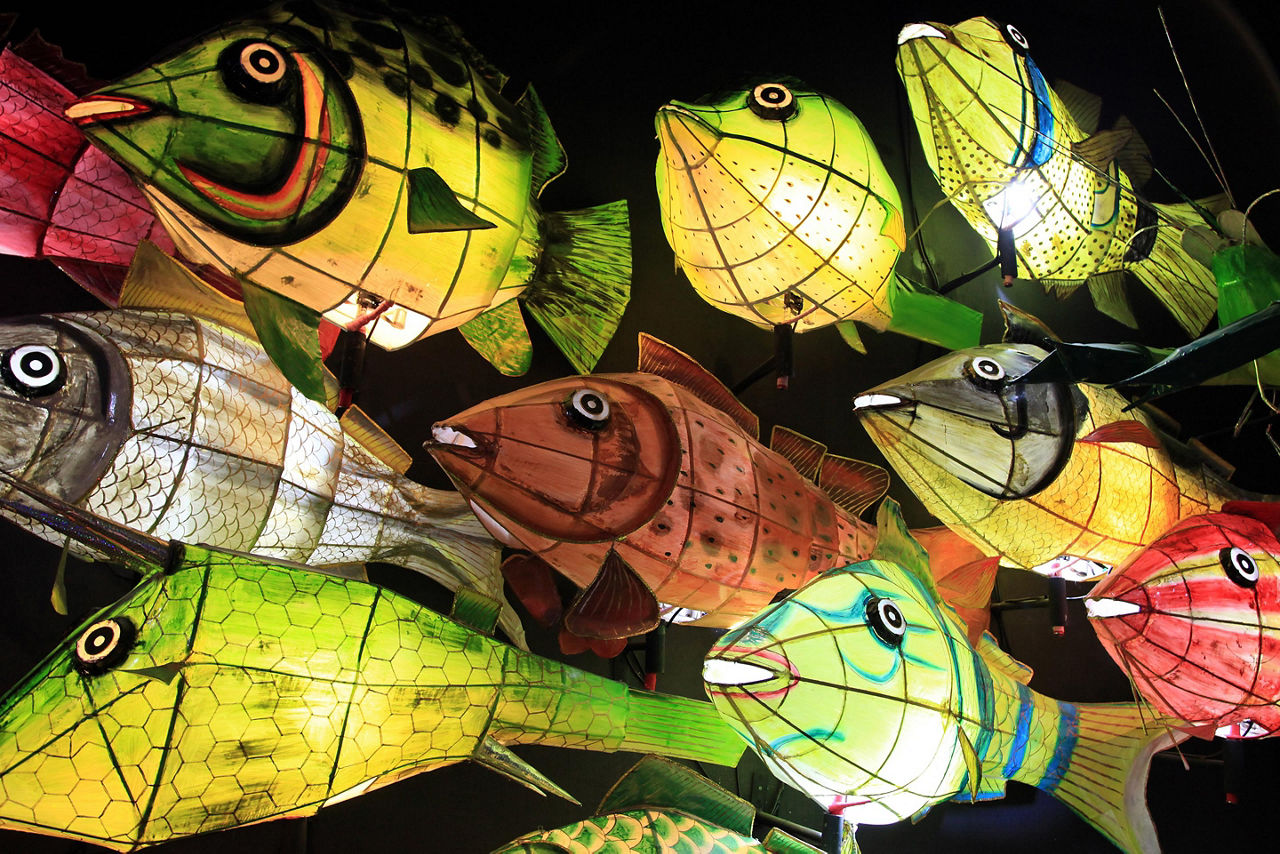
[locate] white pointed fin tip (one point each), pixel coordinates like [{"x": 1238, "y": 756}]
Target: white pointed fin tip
[
  {"x": 494, "y": 527},
  {"x": 919, "y": 31},
  {"x": 446, "y": 435},
  {"x": 718, "y": 671},
  {"x": 875, "y": 401},
  {"x": 1098, "y": 609}
]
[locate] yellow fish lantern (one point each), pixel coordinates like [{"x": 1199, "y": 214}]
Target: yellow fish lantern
[
  {"x": 1028, "y": 169},
  {"x": 780, "y": 211}
]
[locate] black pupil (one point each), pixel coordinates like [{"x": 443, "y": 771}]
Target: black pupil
[
  {"x": 591, "y": 404},
  {"x": 264, "y": 61},
  {"x": 99, "y": 640},
  {"x": 988, "y": 368},
  {"x": 37, "y": 364},
  {"x": 892, "y": 616},
  {"x": 773, "y": 96},
  {"x": 1245, "y": 564}
]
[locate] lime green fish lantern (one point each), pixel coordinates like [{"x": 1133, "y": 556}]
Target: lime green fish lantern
[
  {"x": 343, "y": 161},
  {"x": 1028, "y": 168},
  {"x": 780, "y": 211},
  {"x": 661, "y": 806},
  {"x": 227, "y": 689},
  {"x": 861, "y": 690}
]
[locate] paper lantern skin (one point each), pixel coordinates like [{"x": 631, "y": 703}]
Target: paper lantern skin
[
  {"x": 1009, "y": 154},
  {"x": 861, "y": 690},
  {"x": 325, "y": 157},
  {"x": 59, "y": 198},
  {"x": 660, "y": 807},
  {"x": 180, "y": 427},
  {"x": 1032, "y": 471},
  {"x": 256, "y": 690},
  {"x": 1201, "y": 638}
]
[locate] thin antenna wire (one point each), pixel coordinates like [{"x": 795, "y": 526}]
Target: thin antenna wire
[
  {"x": 1222, "y": 178},
  {"x": 1216, "y": 175},
  {"x": 1254, "y": 204}
]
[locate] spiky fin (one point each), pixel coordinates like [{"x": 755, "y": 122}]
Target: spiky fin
[
  {"x": 50, "y": 59},
  {"x": 475, "y": 610},
  {"x": 804, "y": 454},
  {"x": 1135, "y": 157},
  {"x": 658, "y": 357},
  {"x": 434, "y": 206},
  {"x": 1107, "y": 290},
  {"x": 853, "y": 484},
  {"x": 896, "y": 545},
  {"x": 999, "y": 660},
  {"x": 1100, "y": 149},
  {"x": 1085, "y": 107},
  {"x": 496, "y": 757},
  {"x": 356, "y": 422},
  {"x": 659, "y": 783},
  {"x": 549, "y": 160},
  {"x": 1023, "y": 327}
]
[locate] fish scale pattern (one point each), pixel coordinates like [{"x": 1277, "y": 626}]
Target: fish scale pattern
[{"x": 658, "y": 832}]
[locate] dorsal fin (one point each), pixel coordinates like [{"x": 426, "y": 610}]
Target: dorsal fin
[
  {"x": 157, "y": 281},
  {"x": 659, "y": 357},
  {"x": 1128, "y": 430},
  {"x": 549, "y": 160},
  {"x": 50, "y": 59},
  {"x": 1023, "y": 327},
  {"x": 1085, "y": 107},
  {"x": 475, "y": 610},
  {"x": 896, "y": 545},
  {"x": 662, "y": 784},
  {"x": 999, "y": 660},
  {"x": 366, "y": 431},
  {"x": 1266, "y": 512},
  {"x": 1100, "y": 149},
  {"x": 1135, "y": 157},
  {"x": 853, "y": 484},
  {"x": 804, "y": 454}
]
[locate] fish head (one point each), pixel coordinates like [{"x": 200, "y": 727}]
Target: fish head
[
  {"x": 82, "y": 735},
  {"x": 252, "y": 130},
  {"x": 1187, "y": 618},
  {"x": 583, "y": 459},
  {"x": 976, "y": 79},
  {"x": 65, "y": 404},
  {"x": 777, "y": 160},
  {"x": 967, "y": 416},
  {"x": 849, "y": 691}
]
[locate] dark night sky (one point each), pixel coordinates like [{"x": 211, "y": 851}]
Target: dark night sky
[{"x": 602, "y": 71}]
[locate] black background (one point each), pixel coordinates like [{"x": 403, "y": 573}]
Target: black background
[{"x": 602, "y": 71}]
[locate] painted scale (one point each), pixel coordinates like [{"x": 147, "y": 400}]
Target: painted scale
[
  {"x": 1015, "y": 156},
  {"x": 1192, "y": 620},
  {"x": 861, "y": 690},
  {"x": 336, "y": 159}
]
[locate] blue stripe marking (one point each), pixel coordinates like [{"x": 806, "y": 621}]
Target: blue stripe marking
[
  {"x": 1068, "y": 734},
  {"x": 1043, "y": 148},
  {"x": 1018, "y": 750}
]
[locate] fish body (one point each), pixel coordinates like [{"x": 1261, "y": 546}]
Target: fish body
[
  {"x": 1192, "y": 620},
  {"x": 1033, "y": 471},
  {"x": 780, "y": 211},
  {"x": 661, "y": 468},
  {"x": 1015, "y": 156},
  {"x": 180, "y": 427},
  {"x": 861, "y": 690},
  {"x": 660, "y": 807},
  {"x": 61, "y": 198},
  {"x": 227, "y": 689},
  {"x": 330, "y": 158}
]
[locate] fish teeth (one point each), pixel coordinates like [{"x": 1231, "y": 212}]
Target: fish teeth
[
  {"x": 917, "y": 31},
  {"x": 1098, "y": 609},
  {"x": 446, "y": 435},
  {"x": 876, "y": 401}
]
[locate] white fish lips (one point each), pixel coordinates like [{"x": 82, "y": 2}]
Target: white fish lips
[{"x": 443, "y": 434}]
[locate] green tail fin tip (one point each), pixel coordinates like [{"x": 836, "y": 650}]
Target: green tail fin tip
[{"x": 929, "y": 317}]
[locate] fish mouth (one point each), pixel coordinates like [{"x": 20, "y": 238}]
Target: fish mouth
[
  {"x": 919, "y": 31},
  {"x": 1101, "y": 608},
  {"x": 879, "y": 400},
  {"x": 446, "y": 437},
  {"x": 737, "y": 669},
  {"x": 95, "y": 109},
  {"x": 683, "y": 134}
]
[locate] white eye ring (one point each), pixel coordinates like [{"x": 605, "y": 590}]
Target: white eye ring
[
  {"x": 1240, "y": 566},
  {"x": 104, "y": 644},
  {"x": 986, "y": 368},
  {"x": 589, "y": 408},
  {"x": 34, "y": 369},
  {"x": 772, "y": 101},
  {"x": 1016, "y": 36},
  {"x": 886, "y": 621},
  {"x": 262, "y": 62}
]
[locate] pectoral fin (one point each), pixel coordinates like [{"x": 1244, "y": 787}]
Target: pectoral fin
[
  {"x": 1123, "y": 431},
  {"x": 433, "y": 206},
  {"x": 289, "y": 332},
  {"x": 531, "y": 580},
  {"x": 496, "y": 757},
  {"x": 500, "y": 335},
  {"x": 617, "y": 604}
]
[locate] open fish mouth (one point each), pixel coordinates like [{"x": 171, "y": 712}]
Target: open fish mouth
[
  {"x": 1101, "y": 608},
  {"x": 688, "y": 140},
  {"x": 736, "y": 670},
  {"x": 104, "y": 108},
  {"x": 443, "y": 434},
  {"x": 919, "y": 31},
  {"x": 879, "y": 400}
]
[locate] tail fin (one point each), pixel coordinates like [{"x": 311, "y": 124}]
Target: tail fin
[
  {"x": 1183, "y": 285},
  {"x": 1105, "y": 778},
  {"x": 681, "y": 728},
  {"x": 583, "y": 281},
  {"x": 927, "y": 316}
]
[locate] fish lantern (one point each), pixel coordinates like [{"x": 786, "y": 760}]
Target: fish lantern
[
  {"x": 342, "y": 161},
  {"x": 661, "y": 806},
  {"x": 227, "y": 689},
  {"x": 861, "y": 690},
  {"x": 1191, "y": 619},
  {"x": 1029, "y": 470},
  {"x": 166, "y": 416},
  {"x": 1029, "y": 169},
  {"x": 780, "y": 212}
]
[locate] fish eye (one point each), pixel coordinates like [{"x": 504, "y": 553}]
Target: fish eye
[
  {"x": 1015, "y": 38},
  {"x": 985, "y": 369},
  {"x": 772, "y": 101},
  {"x": 1241, "y": 568},
  {"x": 587, "y": 409},
  {"x": 104, "y": 645},
  {"x": 886, "y": 621},
  {"x": 255, "y": 70},
  {"x": 33, "y": 370}
]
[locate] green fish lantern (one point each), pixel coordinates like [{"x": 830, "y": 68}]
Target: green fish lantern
[
  {"x": 661, "y": 807},
  {"x": 861, "y": 690},
  {"x": 227, "y": 689},
  {"x": 343, "y": 161},
  {"x": 780, "y": 211}
]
